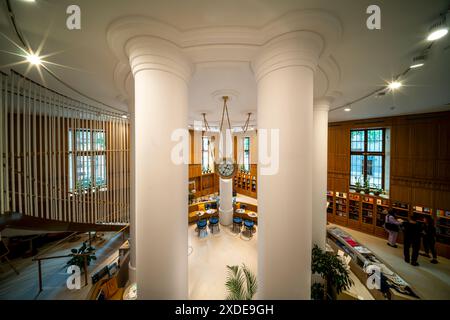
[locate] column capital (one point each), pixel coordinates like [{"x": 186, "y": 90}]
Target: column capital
[
  {"x": 322, "y": 104},
  {"x": 152, "y": 53},
  {"x": 298, "y": 48}
]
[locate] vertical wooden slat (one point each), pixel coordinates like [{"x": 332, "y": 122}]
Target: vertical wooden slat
[
  {"x": 29, "y": 175},
  {"x": 35, "y": 156},
  {"x": 13, "y": 144},
  {"x": 6, "y": 142},
  {"x": 19, "y": 170},
  {"x": 2, "y": 151},
  {"x": 41, "y": 157},
  {"x": 59, "y": 133},
  {"x": 64, "y": 157},
  {"x": 53, "y": 157}
]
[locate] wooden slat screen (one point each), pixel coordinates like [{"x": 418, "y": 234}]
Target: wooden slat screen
[{"x": 35, "y": 156}]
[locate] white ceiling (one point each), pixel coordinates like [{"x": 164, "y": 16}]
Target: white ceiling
[{"x": 366, "y": 58}]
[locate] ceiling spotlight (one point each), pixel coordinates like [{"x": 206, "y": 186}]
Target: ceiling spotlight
[
  {"x": 347, "y": 109},
  {"x": 418, "y": 62},
  {"x": 34, "y": 59},
  {"x": 394, "y": 85},
  {"x": 124, "y": 116},
  {"x": 438, "y": 30}
]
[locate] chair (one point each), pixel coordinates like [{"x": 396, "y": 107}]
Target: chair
[
  {"x": 201, "y": 228},
  {"x": 237, "y": 225},
  {"x": 248, "y": 229},
  {"x": 214, "y": 225}
]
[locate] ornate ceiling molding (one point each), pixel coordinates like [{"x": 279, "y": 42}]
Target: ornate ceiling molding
[{"x": 304, "y": 37}]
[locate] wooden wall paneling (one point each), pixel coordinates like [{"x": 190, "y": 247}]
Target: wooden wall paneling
[
  {"x": 3, "y": 176},
  {"x": 423, "y": 149},
  {"x": 443, "y": 150}
]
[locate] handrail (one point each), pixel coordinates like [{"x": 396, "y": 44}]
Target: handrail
[
  {"x": 39, "y": 258},
  {"x": 55, "y": 244}
]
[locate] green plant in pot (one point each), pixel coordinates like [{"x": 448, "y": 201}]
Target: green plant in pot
[
  {"x": 78, "y": 256},
  {"x": 358, "y": 186},
  {"x": 377, "y": 191},
  {"x": 366, "y": 186},
  {"x": 334, "y": 273},
  {"x": 241, "y": 283}
]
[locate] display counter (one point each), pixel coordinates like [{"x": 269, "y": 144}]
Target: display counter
[{"x": 392, "y": 286}]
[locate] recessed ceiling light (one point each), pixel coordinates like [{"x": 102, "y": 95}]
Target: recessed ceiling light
[
  {"x": 418, "y": 61},
  {"x": 394, "y": 85},
  {"x": 437, "y": 34},
  {"x": 347, "y": 109},
  {"x": 34, "y": 59},
  {"x": 124, "y": 116},
  {"x": 417, "y": 65}
]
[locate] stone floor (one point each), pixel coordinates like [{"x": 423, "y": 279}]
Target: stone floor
[
  {"x": 210, "y": 256},
  {"x": 430, "y": 281}
]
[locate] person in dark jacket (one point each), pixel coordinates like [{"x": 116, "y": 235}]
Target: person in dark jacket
[
  {"x": 412, "y": 231},
  {"x": 429, "y": 239}
]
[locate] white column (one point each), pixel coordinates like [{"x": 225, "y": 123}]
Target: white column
[
  {"x": 132, "y": 240},
  {"x": 319, "y": 183},
  {"x": 161, "y": 198},
  {"x": 285, "y": 74},
  {"x": 226, "y": 185},
  {"x": 226, "y": 201}
]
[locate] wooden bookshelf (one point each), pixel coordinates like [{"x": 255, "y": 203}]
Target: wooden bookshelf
[
  {"x": 246, "y": 182},
  {"x": 330, "y": 206},
  {"x": 354, "y": 210},
  {"x": 341, "y": 208},
  {"x": 367, "y": 213},
  {"x": 381, "y": 212}
]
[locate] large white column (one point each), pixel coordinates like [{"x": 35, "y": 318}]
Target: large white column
[
  {"x": 285, "y": 74},
  {"x": 319, "y": 183},
  {"x": 161, "y": 100},
  {"x": 226, "y": 201},
  {"x": 226, "y": 185},
  {"x": 132, "y": 240}
]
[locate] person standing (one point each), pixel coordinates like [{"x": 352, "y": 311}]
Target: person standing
[
  {"x": 429, "y": 239},
  {"x": 412, "y": 235},
  {"x": 391, "y": 225}
]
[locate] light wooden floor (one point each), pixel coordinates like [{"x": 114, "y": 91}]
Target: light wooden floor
[
  {"x": 25, "y": 285},
  {"x": 430, "y": 281}
]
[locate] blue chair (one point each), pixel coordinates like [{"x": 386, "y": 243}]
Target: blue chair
[
  {"x": 201, "y": 228},
  {"x": 248, "y": 229},
  {"x": 214, "y": 225},
  {"x": 237, "y": 225}
]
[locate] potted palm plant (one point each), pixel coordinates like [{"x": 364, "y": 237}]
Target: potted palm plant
[
  {"x": 241, "y": 283},
  {"x": 334, "y": 273}
]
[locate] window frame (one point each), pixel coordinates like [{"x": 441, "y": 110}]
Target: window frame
[
  {"x": 207, "y": 151},
  {"x": 89, "y": 150},
  {"x": 365, "y": 154},
  {"x": 244, "y": 152}
]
